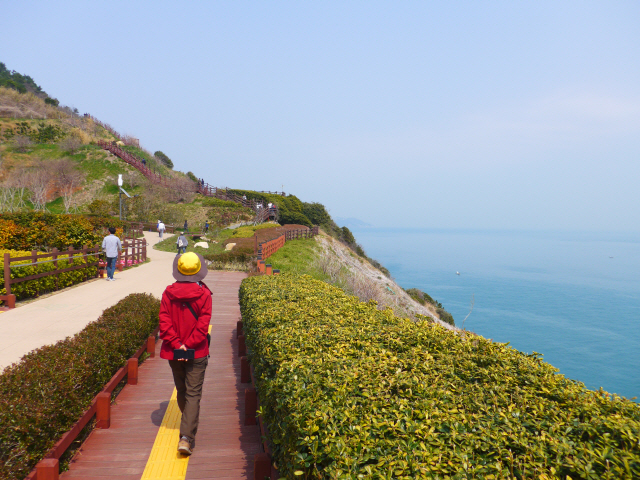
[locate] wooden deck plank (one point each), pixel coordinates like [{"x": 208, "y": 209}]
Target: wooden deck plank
[{"x": 225, "y": 448}]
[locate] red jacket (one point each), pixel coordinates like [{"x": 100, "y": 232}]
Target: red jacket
[{"x": 178, "y": 326}]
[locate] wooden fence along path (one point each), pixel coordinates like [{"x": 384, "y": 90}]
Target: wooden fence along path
[
  {"x": 264, "y": 250},
  {"x": 263, "y": 213},
  {"x": 134, "y": 251},
  {"x": 140, "y": 437}
]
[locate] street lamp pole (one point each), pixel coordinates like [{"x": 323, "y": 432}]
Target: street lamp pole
[{"x": 120, "y": 193}]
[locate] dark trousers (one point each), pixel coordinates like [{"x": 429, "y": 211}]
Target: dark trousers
[
  {"x": 111, "y": 266},
  {"x": 189, "y": 378}
]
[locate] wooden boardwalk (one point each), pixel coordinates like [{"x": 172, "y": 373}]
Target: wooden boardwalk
[{"x": 224, "y": 446}]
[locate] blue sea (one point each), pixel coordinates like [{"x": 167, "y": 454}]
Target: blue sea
[{"x": 574, "y": 297}]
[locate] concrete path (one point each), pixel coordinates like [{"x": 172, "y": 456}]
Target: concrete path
[{"x": 63, "y": 314}]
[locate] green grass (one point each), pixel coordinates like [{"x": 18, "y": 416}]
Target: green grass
[
  {"x": 56, "y": 206},
  {"x": 169, "y": 244},
  {"x": 297, "y": 256},
  {"x": 248, "y": 231}
]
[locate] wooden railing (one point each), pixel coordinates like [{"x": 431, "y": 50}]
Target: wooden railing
[
  {"x": 265, "y": 249},
  {"x": 263, "y": 213},
  {"x": 134, "y": 251},
  {"x": 37, "y": 258},
  {"x": 100, "y": 407},
  {"x": 134, "y": 161}
]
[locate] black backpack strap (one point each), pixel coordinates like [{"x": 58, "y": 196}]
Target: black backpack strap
[{"x": 188, "y": 305}]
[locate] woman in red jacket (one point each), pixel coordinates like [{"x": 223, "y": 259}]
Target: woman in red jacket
[{"x": 185, "y": 313}]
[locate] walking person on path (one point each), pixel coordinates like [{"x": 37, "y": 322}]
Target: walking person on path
[
  {"x": 185, "y": 313},
  {"x": 186, "y": 226},
  {"x": 182, "y": 243},
  {"x": 206, "y": 226},
  {"x": 161, "y": 228},
  {"x": 111, "y": 247}
]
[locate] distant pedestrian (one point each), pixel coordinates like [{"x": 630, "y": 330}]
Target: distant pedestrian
[
  {"x": 186, "y": 226},
  {"x": 111, "y": 247},
  {"x": 144, "y": 162},
  {"x": 161, "y": 228},
  {"x": 182, "y": 243},
  {"x": 206, "y": 226},
  {"x": 185, "y": 313}
]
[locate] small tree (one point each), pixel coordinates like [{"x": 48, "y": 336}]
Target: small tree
[
  {"x": 68, "y": 181},
  {"x": 39, "y": 182},
  {"x": 163, "y": 158}
]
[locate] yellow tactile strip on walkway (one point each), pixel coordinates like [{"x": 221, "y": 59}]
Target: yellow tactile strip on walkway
[{"x": 164, "y": 461}]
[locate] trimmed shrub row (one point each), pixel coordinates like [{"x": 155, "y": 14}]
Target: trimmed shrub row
[
  {"x": 30, "y": 288},
  {"x": 45, "y": 393},
  {"x": 348, "y": 391}
]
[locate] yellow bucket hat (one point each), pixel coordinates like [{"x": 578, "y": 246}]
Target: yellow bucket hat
[{"x": 189, "y": 267}]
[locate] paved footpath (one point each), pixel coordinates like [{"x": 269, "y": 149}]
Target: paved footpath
[
  {"x": 143, "y": 437},
  {"x": 48, "y": 320}
]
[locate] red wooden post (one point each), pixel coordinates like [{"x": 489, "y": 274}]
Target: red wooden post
[
  {"x": 84, "y": 256},
  {"x": 103, "y": 410},
  {"x": 269, "y": 269},
  {"x": 55, "y": 264},
  {"x": 144, "y": 251},
  {"x": 7, "y": 273},
  {"x": 34, "y": 259},
  {"x": 250, "y": 406},
  {"x": 48, "y": 469},
  {"x": 245, "y": 371},
  {"x": 239, "y": 327},
  {"x": 151, "y": 346},
  {"x": 261, "y": 466},
  {"x": 125, "y": 247},
  {"x": 242, "y": 346},
  {"x": 10, "y": 301},
  {"x": 132, "y": 371}
]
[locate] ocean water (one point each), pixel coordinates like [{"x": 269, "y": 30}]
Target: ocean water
[{"x": 557, "y": 293}]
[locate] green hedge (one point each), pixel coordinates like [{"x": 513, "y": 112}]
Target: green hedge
[
  {"x": 30, "y": 288},
  {"x": 349, "y": 391},
  {"x": 45, "y": 393}
]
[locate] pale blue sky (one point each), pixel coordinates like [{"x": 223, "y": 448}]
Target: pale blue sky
[{"x": 475, "y": 114}]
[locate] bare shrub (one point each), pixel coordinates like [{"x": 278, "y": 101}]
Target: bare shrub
[
  {"x": 68, "y": 180},
  {"x": 181, "y": 190},
  {"x": 328, "y": 265},
  {"x": 70, "y": 144},
  {"x": 21, "y": 143},
  {"x": 12, "y": 193},
  {"x": 38, "y": 180}
]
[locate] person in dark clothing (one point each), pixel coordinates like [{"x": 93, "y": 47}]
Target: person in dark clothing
[
  {"x": 206, "y": 226},
  {"x": 186, "y": 227},
  {"x": 185, "y": 313}
]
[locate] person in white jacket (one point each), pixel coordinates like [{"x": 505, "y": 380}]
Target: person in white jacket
[
  {"x": 161, "y": 228},
  {"x": 112, "y": 247}
]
